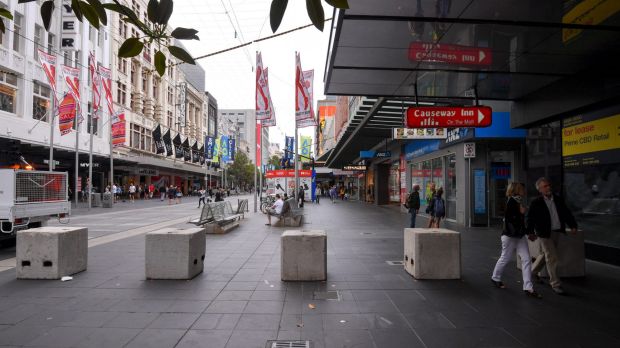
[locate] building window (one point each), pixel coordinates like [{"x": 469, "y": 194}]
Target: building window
[
  {"x": 156, "y": 89},
  {"x": 95, "y": 122},
  {"x": 100, "y": 37},
  {"x": 8, "y": 92},
  {"x": 170, "y": 119},
  {"x": 50, "y": 43},
  {"x": 40, "y": 101},
  {"x": 141, "y": 138},
  {"x": 38, "y": 40},
  {"x": 122, "y": 65},
  {"x": 121, "y": 93},
  {"x": 17, "y": 29},
  {"x": 170, "y": 96}
]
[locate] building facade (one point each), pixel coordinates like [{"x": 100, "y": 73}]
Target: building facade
[{"x": 240, "y": 122}]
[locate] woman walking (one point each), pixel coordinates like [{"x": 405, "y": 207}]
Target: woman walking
[
  {"x": 439, "y": 208},
  {"x": 513, "y": 237}
]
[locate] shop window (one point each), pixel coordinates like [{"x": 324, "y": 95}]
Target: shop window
[
  {"x": 394, "y": 183},
  {"x": 141, "y": 139},
  {"x": 8, "y": 92},
  {"x": 121, "y": 93},
  {"x": 170, "y": 119},
  {"x": 40, "y": 101},
  {"x": 450, "y": 189},
  {"x": 95, "y": 122}
]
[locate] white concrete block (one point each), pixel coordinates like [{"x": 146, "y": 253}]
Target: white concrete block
[
  {"x": 51, "y": 252},
  {"x": 304, "y": 255},
  {"x": 435, "y": 252},
  {"x": 571, "y": 255},
  {"x": 173, "y": 253}
]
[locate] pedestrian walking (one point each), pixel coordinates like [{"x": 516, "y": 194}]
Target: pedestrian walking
[
  {"x": 218, "y": 196},
  {"x": 430, "y": 195},
  {"x": 114, "y": 193},
  {"x": 171, "y": 194},
  {"x": 179, "y": 194},
  {"x": 203, "y": 195},
  {"x": 151, "y": 190},
  {"x": 317, "y": 194},
  {"x": 162, "y": 193},
  {"x": 132, "y": 192},
  {"x": 513, "y": 238},
  {"x": 548, "y": 216},
  {"x": 413, "y": 203},
  {"x": 439, "y": 208},
  {"x": 301, "y": 196}
]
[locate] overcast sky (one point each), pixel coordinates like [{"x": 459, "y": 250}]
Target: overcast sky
[{"x": 230, "y": 76}]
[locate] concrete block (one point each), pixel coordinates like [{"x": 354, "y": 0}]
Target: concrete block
[
  {"x": 214, "y": 228},
  {"x": 289, "y": 221},
  {"x": 51, "y": 252},
  {"x": 571, "y": 255},
  {"x": 432, "y": 253},
  {"x": 173, "y": 253},
  {"x": 304, "y": 255}
]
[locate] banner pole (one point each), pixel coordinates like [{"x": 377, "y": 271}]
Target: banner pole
[{"x": 255, "y": 163}]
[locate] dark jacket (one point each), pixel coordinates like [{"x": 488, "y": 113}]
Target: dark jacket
[
  {"x": 414, "y": 200},
  {"x": 538, "y": 218},
  {"x": 514, "y": 220}
]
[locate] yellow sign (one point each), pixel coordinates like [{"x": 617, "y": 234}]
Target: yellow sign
[
  {"x": 588, "y": 12},
  {"x": 599, "y": 135}
]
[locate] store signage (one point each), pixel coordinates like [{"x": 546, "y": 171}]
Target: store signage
[
  {"x": 367, "y": 154},
  {"x": 590, "y": 141},
  {"x": 85, "y": 164},
  {"x": 449, "y": 54},
  {"x": 470, "y": 150},
  {"x": 438, "y": 116},
  {"x": 383, "y": 154},
  {"x": 419, "y": 133},
  {"x": 354, "y": 167},
  {"x": 147, "y": 171},
  {"x": 287, "y": 173},
  {"x": 479, "y": 191},
  {"x": 70, "y": 39}
]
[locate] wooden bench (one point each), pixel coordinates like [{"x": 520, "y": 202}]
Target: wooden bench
[
  {"x": 224, "y": 218},
  {"x": 291, "y": 214}
]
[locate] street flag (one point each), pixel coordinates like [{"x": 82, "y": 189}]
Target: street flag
[
  {"x": 159, "y": 143},
  {"x": 262, "y": 94},
  {"x": 224, "y": 149},
  {"x": 302, "y": 100},
  {"x": 216, "y": 150},
  {"x": 168, "y": 143},
  {"x": 209, "y": 141},
  {"x": 271, "y": 121},
  {"x": 187, "y": 154},
  {"x": 106, "y": 82},
  {"x": 231, "y": 148},
  {"x": 72, "y": 79},
  {"x": 95, "y": 78},
  {"x": 195, "y": 157},
  {"x": 178, "y": 150},
  {"x": 201, "y": 155},
  {"x": 66, "y": 111},
  {"x": 258, "y": 144},
  {"x": 289, "y": 145},
  {"x": 309, "y": 84},
  {"x": 305, "y": 147},
  {"x": 48, "y": 63},
  {"x": 118, "y": 130}
]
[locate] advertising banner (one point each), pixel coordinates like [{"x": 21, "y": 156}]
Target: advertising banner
[
  {"x": 305, "y": 148},
  {"x": 48, "y": 63},
  {"x": 118, "y": 130},
  {"x": 290, "y": 145},
  {"x": 201, "y": 155},
  {"x": 195, "y": 155},
  {"x": 232, "y": 148},
  {"x": 159, "y": 143},
  {"x": 589, "y": 140},
  {"x": 187, "y": 153},
  {"x": 182, "y": 100},
  {"x": 258, "y": 144},
  {"x": 106, "y": 82},
  {"x": 271, "y": 121},
  {"x": 419, "y": 133},
  {"x": 178, "y": 149},
  {"x": 210, "y": 142},
  {"x": 262, "y": 92},
  {"x": 309, "y": 85},
  {"x": 168, "y": 143},
  {"x": 224, "y": 153},
  {"x": 95, "y": 79},
  {"x": 216, "y": 150},
  {"x": 72, "y": 79},
  {"x": 66, "y": 111},
  {"x": 302, "y": 99}
]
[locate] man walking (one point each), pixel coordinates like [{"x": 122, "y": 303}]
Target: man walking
[
  {"x": 413, "y": 203},
  {"x": 548, "y": 216}
]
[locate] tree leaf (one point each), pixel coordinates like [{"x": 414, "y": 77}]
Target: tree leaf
[
  {"x": 75, "y": 5},
  {"x": 47, "y": 9},
  {"x": 316, "y": 14},
  {"x": 6, "y": 13},
  {"x": 181, "y": 54},
  {"x": 24, "y": 1},
  {"x": 184, "y": 34},
  {"x": 2, "y": 28},
  {"x": 151, "y": 10},
  {"x": 122, "y": 10},
  {"x": 90, "y": 13},
  {"x": 160, "y": 63},
  {"x": 130, "y": 48},
  {"x": 97, "y": 6},
  {"x": 164, "y": 11},
  {"x": 276, "y": 13},
  {"x": 342, "y": 4}
]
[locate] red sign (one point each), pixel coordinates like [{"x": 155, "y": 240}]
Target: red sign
[
  {"x": 440, "y": 117},
  {"x": 287, "y": 173},
  {"x": 450, "y": 54}
]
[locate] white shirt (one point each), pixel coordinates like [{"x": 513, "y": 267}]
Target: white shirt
[
  {"x": 553, "y": 213},
  {"x": 277, "y": 206},
  {"x": 132, "y": 189}
]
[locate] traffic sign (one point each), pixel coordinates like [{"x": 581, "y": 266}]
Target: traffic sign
[
  {"x": 449, "y": 54},
  {"x": 439, "y": 116},
  {"x": 470, "y": 150}
]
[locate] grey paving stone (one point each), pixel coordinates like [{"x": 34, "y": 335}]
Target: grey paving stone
[
  {"x": 344, "y": 322},
  {"x": 234, "y": 295},
  {"x": 469, "y": 337},
  {"x": 248, "y": 286},
  {"x": 156, "y": 338},
  {"x": 226, "y": 307},
  {"x": 348, "y": 338},
  {"x": 396, "y": 338},
  {"x": 251, "y": 338},
  {"x": 21, "y": 335},
  {"x": 267, "y": 307},
  {"x": 131, "y": 320},
  {"x": 108, "y": 338},
  {"x": 258, "y": 322},
  {"x": 205, "y": 339},
  {"x": 186, "y": 306},
  {"x": 216, "y": 322},
  {"x": 265, "y": 295},
  {"x": 174, "y": 321},
  {"x": 61, "y": 337},
  {"x": 427, "y": 320}
]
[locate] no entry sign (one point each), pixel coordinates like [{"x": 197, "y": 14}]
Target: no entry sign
[
  {"x": 449, "y": 54},
  {"x": 438, "y": 116}
]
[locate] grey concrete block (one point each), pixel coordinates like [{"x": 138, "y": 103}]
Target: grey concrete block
[
  {"x": 51, "y": 252},
  {"x": 215, "y": 228},
  {"x": 304, "y": 255},
  {"x": 173, "y": 253},
  {"x": 571, "y": 255},
  {"x": 289, "y": 221},
  {"x": 432, "y": 253}
]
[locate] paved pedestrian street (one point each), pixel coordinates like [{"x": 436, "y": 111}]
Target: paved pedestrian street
[{"x": 239, "y": 301}]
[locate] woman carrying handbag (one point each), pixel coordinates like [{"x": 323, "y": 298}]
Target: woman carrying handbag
[{"x": 513, "y": 237}]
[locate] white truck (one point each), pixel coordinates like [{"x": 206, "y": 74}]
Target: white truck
[{"x": 29, "y": 198}]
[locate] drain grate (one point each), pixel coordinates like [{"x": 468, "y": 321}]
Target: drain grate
[
  {"x": 327, "y": 295},
  {"x": 288, "y": 344},
  {"x": 395, "y": 263}
]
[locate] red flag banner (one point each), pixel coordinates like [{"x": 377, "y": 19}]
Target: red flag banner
[
  {"x": 95, "y": 78},
  {"x": 48, "y": 63},
  {"x": 271, "y": 122},
  {"x": 106, "y": 81},
  {"x": 258, "y": 144},
  {"x": 262, "y": 92},
  {"x": 309, "y": 85},
  {"x": 72, "y": 79},
  {"x": 302, "y": 100},
  {"x": 118, "y": 130},
  {"x": 66, "y": 111}
]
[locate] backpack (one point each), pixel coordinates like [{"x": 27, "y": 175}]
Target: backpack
[{"x": 439, "y": 208}]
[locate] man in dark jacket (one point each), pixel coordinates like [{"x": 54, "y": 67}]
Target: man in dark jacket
[
  {"x": 413, "y": 203},
  {"x": 548, "y": 216}
]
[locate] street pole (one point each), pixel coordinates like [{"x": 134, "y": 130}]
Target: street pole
[
  {"x": 77, "y": 153},
  {"x": 90, "y": 160},
  {"x": 255, "y": 162},
  {"x": 295, "y": 149},
  {"x": 260, "y": 170},
  {"x": 53, "y": 99},
  {"x": 469, "y": 190}
]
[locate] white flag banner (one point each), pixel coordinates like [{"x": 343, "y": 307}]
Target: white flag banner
[
  {"x": 262, "y": 90},
  {"x": 309, "y": 84},
  {"x": 271, "y": 121},
  {"x": 302, "y": 99}
]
